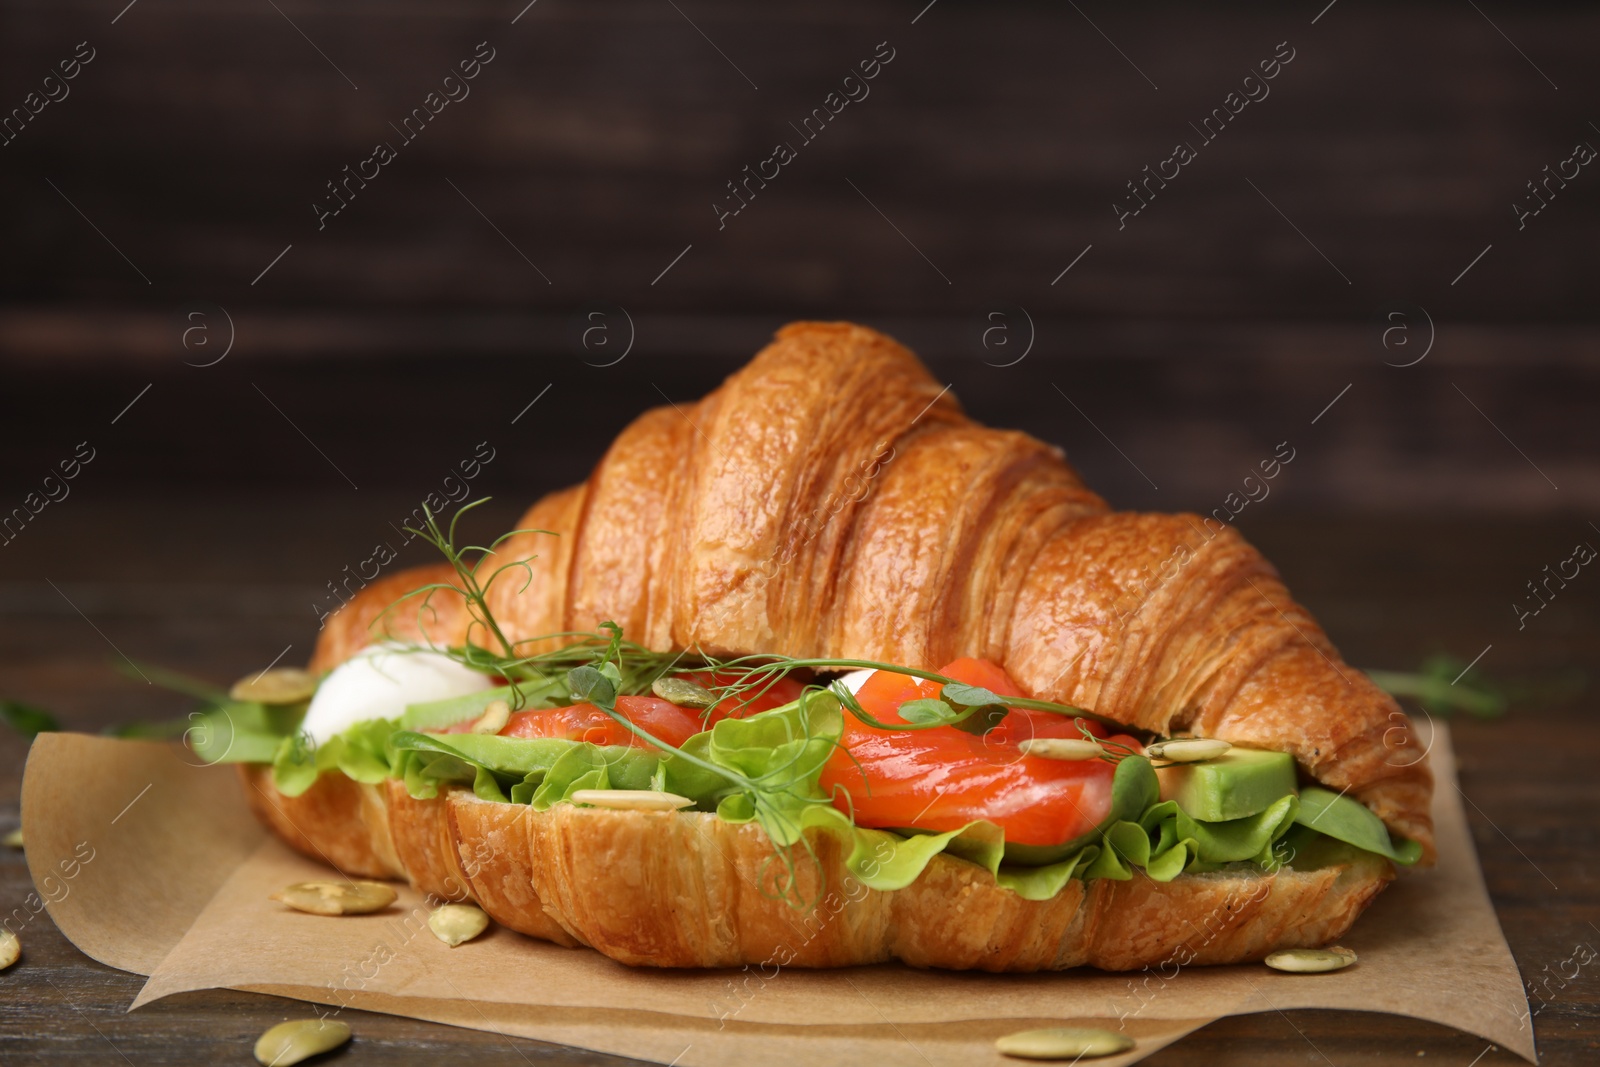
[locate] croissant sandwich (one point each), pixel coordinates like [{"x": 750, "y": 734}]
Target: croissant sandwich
[{"x": 820, "y": 672}]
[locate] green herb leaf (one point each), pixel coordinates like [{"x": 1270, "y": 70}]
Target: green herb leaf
[
  {"x": 591, "y": 685},
  {"x": 982, "y": 719},
  {"x": 472, "y": 589},
  {"x": 927, "y": 711},
  {"x": 26, "y": 719},
  {"x": 988, "y": 709},
  {"x": 962, "y": 695}
]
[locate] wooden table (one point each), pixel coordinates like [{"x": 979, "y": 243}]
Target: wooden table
[{"x": 220, "y": 586}]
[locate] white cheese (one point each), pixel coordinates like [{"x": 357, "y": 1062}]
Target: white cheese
[{"x": 378, "y": 683}]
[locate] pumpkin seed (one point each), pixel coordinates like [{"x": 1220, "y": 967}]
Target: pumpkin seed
[
  {"x": 1311, "y": 960},
  {"x": 1188, "y": 749},
  {"x": 1063, "y": 1043},
  {"x": 13, "y": 839},
  {"x": 336, "y": 898},
  {"x": 494, "y": 718},
  {"x": 10, "y": 948},
  {"x": 282, "y": 685},
  {"x": 683, "y": 692},
  {"x": 1063, "y": 748},
  {"x": 631, "y": 799},
  {"x": 299, "y": 1039},
  {"x": 455, "y": 923}
]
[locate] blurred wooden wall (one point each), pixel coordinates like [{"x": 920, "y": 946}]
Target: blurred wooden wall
[{"x": 985, "y": 157}]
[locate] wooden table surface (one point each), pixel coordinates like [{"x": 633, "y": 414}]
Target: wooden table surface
[{"x": 220, "y": 586}]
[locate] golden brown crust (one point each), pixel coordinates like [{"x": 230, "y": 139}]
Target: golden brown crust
[
  {"x": 480, "y": 839},
  {"x": 668, "y": 889},
  {"x": 831, "y": 499},
  {"x": 671, "y": 889},
  {"x": 424, "y": 843},
  {"x": 383, "y": 832},
  {"x": 334, "y": 821}
]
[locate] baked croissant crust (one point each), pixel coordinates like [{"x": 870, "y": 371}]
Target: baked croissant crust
[
  {"x": 832, "y": 499},
  {"x": 686, "y": 889}
]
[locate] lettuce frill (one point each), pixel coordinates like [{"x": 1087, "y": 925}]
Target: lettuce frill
[{"x": 766, "y": 769}]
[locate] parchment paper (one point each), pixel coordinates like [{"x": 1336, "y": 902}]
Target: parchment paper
[{"x": 177, "y": 889}]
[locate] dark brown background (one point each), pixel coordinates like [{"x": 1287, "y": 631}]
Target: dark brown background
[
  {"x": 997, "y": 141},
  {"x": 378, "y": 352}
]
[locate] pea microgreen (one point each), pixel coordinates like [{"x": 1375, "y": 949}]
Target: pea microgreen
[
  {"x": 1111, "y": 751},
  {"x": 927, "y": 712}
]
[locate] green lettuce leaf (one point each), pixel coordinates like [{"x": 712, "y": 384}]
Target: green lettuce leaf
[
  {"x": 1345, "y": 819},
  {"x": 1166, "y": 841},
  {"x": 509, "y": 756},
  {"x": 586, "y": 766},
  {"x": 766, "y": 769},
  {"x": 691, "y": 779},
  {"x": 360, "y": 753},
  {"x": 538, "y": 770},
  {"x": 242, "y": 731},
  {"x": 782, "y": 752},
  {"x": 422, "y": 761},
  {"x": 363, "y": 751},
  {"x": 887, "y": 860},
  {"x": 783, "y": 748},
  {"x": 297, "y": 763}
]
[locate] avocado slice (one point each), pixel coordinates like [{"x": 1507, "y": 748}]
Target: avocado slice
[
  {"x": 438, "y": 714},
  {"x": 1239, "y": 783}
]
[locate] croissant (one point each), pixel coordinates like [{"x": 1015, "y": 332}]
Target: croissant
[{"x": 831, "y": 499}]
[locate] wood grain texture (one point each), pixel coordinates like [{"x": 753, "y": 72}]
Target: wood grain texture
[
  {"x": 997, "y": 139},
  {"x": 1196, "y": 338},
  {"x": 1155, "y": 416}
]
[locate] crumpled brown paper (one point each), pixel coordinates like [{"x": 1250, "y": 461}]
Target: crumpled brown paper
[{"x": 177, "y": 875}]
